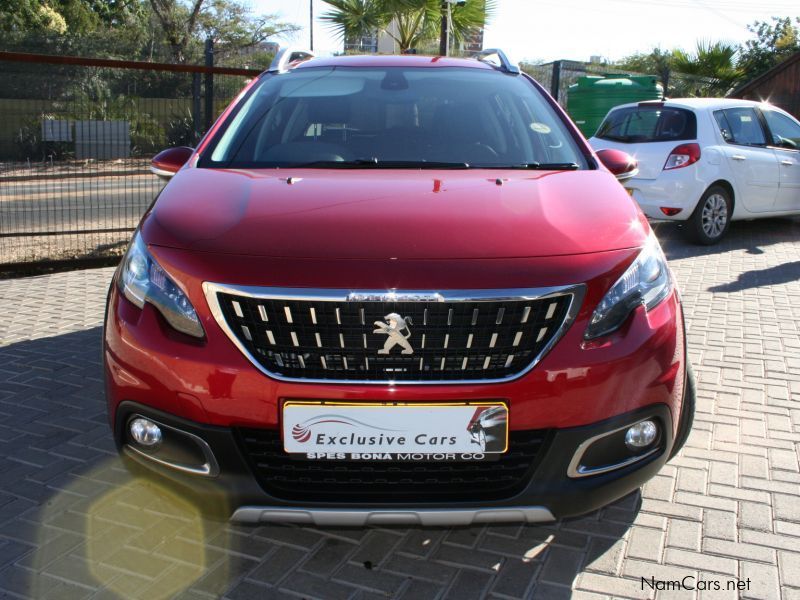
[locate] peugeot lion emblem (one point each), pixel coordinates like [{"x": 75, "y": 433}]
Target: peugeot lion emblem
[{"x": 393, "y": 329}]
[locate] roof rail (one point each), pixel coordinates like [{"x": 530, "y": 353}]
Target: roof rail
[
  {"x": 505, "y": 64},
  {"x": 286, "y": 57}
]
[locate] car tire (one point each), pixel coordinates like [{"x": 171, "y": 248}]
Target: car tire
[
  {"x": 711, "y": 218},
  {"x": 687, "y": 412}
]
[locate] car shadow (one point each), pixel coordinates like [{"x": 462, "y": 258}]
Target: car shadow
[
  {"x": 750, "y": 236},
  {"x": 75, "y": 522},
  {"x": 776, "y": 275}
]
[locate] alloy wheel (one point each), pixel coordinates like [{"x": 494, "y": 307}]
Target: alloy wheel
[{"x": 715, "y": 215}]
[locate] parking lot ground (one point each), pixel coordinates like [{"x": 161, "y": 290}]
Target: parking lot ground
[{"x": 75, "y": 524}]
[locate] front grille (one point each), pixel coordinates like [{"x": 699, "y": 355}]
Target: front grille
[
  {"x": 284, "y": 476},
  {"x": 343, "y": 339}
]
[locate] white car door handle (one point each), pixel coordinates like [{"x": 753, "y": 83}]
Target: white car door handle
[
  {"x": 738, "y": 157},
  {"x": 788, "y": 163}
]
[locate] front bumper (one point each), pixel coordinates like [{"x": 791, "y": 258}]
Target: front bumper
[
  {"x": 579, "y": 390},
  {"x": 549, "y": 494}
]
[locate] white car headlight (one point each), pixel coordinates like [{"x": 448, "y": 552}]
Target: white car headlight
[
  {"x": 143, "y": 280},
  {"x": 646, "y": 282}
]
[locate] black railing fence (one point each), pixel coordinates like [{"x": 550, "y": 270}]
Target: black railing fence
[{"x": 76, "y": 138}]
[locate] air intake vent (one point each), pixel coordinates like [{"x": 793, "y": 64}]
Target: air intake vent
[{"x": 290, "y": 478}]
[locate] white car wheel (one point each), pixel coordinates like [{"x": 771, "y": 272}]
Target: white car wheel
[
  {"x": 714, "y": 215},
  {"x": 711, "y": 218}
]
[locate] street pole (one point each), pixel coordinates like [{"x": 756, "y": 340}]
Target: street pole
[
  {"x": 209, "y": 85},
  {"x": 311, "y": 24},
  {"x": 444, "y": 37}
]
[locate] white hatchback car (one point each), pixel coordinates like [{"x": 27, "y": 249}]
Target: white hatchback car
[{"x": 707, "y": 161}]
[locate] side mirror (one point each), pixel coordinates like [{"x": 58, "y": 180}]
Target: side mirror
[
  {"x": 621, "y": 164},
  {"x": 168, "y": 162}
]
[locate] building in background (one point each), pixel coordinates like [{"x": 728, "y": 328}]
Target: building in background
[
  {"x": 780, "y": 86},
  {"x": 473, "y": 43}
]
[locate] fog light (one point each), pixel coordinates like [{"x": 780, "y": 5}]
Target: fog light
[
  {"x": 641, "y": 435},
  {"x": 145, "y": 432}
]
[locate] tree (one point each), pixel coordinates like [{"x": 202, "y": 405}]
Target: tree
[
  {"x": 72, "y": 17},
  {"x": 656, "y": 62},
  {"x": 710, "y": 70},
  {"x": 715, "y": 62},
  {"x": 410, "y": 23},
  {"x": 178, "y": 23},
  {"x": 31, "y": 15},
  {"x": 230, "y": 23},
  {"x": 774, "y": 42},
  {"x": 232, "y": 26}
]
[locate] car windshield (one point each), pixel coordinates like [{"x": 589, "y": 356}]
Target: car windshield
[
  {"x": 395, "y": 117},
  {"x": 637, "y": 124}
]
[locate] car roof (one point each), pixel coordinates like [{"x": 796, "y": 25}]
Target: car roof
[
  {"x": 394, "y": 60},
  {"x": 699, "y": 103}
]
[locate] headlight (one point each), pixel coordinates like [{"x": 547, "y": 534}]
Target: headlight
[
  {"x": 143, "y": 280},
  {"x": 646, "y": 282}
]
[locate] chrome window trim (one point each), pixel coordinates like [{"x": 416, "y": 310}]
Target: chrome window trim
[
  {"x": 208, "y": 469},
  {"x": 576, "y": 470},
  {"x": 211, "y": 291}
]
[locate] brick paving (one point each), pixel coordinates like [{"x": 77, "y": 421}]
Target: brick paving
[{"x": 75, "y": 524}]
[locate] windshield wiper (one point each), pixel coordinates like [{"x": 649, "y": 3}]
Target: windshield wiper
[
  {"x": 536, "y": 166},
  {"x": 375, "y": 163}
]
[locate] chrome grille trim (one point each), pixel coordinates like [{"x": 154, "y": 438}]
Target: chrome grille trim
[{"x": 575, "y": 292}]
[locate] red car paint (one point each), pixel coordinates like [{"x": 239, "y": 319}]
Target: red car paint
[{"x": 395, "y": 229}]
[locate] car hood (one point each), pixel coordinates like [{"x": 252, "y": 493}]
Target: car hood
[{"x": 394, "y": 214}]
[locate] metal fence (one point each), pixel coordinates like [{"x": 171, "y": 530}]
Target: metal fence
[
  {"x": 557, "y": 76},
  {"x": 76, "y": 137}
]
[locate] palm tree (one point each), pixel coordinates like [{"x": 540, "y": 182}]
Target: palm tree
[
  {"x": 716, "y": 62},
  {"x": 409, "y": 23}
]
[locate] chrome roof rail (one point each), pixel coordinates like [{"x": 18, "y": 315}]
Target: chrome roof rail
[
  {"x": 285, "y": 57},
  {"x": 505, "y": 64}
]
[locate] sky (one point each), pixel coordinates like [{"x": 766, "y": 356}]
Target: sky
[{"x": 547, "y": 30}]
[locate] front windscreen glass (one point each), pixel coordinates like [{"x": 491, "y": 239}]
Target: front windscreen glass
[{"x": 395, "y": 117}]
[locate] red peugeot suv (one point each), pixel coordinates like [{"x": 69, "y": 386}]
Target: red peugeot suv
[{"x": 397, "y": 289}]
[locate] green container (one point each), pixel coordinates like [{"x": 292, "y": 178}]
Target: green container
[{"x": 590, "y": 99}]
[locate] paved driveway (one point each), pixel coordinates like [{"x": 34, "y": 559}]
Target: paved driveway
[{"x": 74, "y": 524}]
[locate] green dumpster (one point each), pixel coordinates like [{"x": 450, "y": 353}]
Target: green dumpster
[{"x": 590, "y": 98}]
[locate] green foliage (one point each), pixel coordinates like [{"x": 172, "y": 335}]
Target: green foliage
[
  {"x": 714, "y": 68},
  {"x": 230, "y": 23},
  {"x": 180, "y": 130},
  {"x": 774, "y": 42},
  {"x": 73, "y": 17},
  {"x": 153, "y": 30},
  {"x": 31, "y": 15},
  {"x": 355, "y": 18},
  {"x": 410, "y": 23},
  {"x": 715, "y": 62},
  {"x": 710, "y": 70}
]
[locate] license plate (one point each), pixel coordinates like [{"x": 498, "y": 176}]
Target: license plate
[{"x": 404, "y": 432}]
